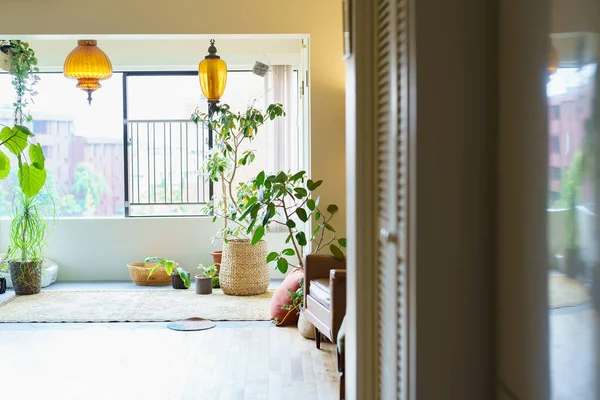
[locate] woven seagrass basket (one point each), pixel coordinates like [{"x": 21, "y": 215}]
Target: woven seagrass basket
[
  {"x": 244, "y": 268},
  {"x": 139, "y": 274},
  {"x": 305, "y": 328}
]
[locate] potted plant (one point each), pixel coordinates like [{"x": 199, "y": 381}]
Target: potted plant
[
  {"x": 570, "y": 194},
  {"x": 23, "y": 68},
  {"x": 180, "y": 278},
  {"x": 285, "y": 199},
  {"x": 27, "y": 236},
  {"x": 241, "y": 270},
  {"x": 204, "y": 279}
]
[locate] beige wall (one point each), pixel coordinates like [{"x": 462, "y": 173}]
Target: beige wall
[{"x": 319, "y": 18}]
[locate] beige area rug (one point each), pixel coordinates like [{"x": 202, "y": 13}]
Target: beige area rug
[
  {"x": 134, "y": 306},
  {"x": 565, "y": 292}
]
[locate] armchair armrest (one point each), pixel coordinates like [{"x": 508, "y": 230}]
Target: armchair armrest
[
  {"x": 317, "y": 266},
  {"x": 337, "y": 287}
]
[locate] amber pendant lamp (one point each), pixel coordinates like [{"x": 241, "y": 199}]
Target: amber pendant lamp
[
  {"x": 212, "y": 72},
  {"x": 88, "y": 64},
  {"x": 552, "y": 60}
]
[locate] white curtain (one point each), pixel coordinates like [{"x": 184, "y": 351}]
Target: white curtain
[{"x": 283, "y": 132}]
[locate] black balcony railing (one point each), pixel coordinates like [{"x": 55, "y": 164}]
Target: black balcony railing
[{"x": 164, "y": 168}]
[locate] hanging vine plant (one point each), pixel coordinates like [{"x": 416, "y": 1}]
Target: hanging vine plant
[
  {"x": 23, "y": 69},
  {"x": 30, "y": 158}
]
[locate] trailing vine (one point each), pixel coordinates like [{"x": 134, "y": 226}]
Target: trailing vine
[{"x": 23, "y": 70}]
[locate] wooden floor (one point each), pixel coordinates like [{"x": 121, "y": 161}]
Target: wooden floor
[{"x": 148, "y": 361}]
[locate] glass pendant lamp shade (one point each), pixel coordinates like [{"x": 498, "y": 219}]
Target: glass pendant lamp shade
[
  {"x": 88, "y": 64},
  {"x": 212, "y": 72}
]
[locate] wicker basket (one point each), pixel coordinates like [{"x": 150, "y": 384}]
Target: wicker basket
[
  {"x": 139, "y": 274},
  {"x": 306, "y": 329},
  {"x": 244, "y": 268}
]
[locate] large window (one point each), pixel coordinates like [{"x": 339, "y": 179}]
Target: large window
[
  {"x": 83, "y": 145},
  {"x": 159, "y": 172}
]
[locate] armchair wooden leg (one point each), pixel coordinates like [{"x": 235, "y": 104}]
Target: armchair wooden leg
[{"x": 318, "y": 338}]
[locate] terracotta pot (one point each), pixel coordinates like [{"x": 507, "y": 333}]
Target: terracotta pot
[{"x": 216, "y": 255}]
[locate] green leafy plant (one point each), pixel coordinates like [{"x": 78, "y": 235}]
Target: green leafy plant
[
  {"x": 231, "y": 132},
  {"x": 23, "y": 70},
  {"x": 207, "y": 272},
  {"x": 28, "y": 228},
  {"x": 16, "y": 139},
  {"x": 216, "y": 283},
  {"x": 169, "y": 269},
  {"x": 285, "y": 199},
  {"x": 297, "y": 298}
]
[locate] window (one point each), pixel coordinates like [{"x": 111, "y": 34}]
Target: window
[
  {"x": 152, "y": 164},
  {"x": 40, "y": 127},
  {"x": 555, "y": 140},
  {"x": 68, "y": 128},
  {"x": 554, "y": 113},
  {"x": 555, "y": 173}
]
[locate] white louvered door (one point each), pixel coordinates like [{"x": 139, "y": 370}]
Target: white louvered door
[{"x": 392, "y": 128}]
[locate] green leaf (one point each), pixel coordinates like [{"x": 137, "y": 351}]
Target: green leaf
[
  {"x": 301, "y": 238},
  {"x": 31, "y": 179},
  {"x": 301, "y": 212},
  {"x": 329, "y": 227},
  {"x": 266, "y": 217},
  {"x": 290, "y": 223},
  {"x": 300, "y": 193},
  {"x": 258, "y": 234},
  {"x": 332, "y": 209},
  {"x": 313, "y": 185},
  {"x": 310, "y": 203},
  {"x": 282, "y": 265},
  {"x": 169, "y": 266},
  {"x": 288, "y": 252},
  {"x": 4, "y": 165},
  {"x": 260, "y": 178},
  {"x": 342, "y": 242},
  {"x": 339, "y": 254},
  {"x": 272, "y": 256},
  {"x": 24, "y": 129},
  {"x": 185, "y": 277},
  {"x": 297, "y": 175},
  {"x": 15, "y": 139},
  {"x": 287, "y": 240},
  {"x": 153, "y": 270},
  {"x": 318, "y": 215},
  {"x": 281, "y": 177}
]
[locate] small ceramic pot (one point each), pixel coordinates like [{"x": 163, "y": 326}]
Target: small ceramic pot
[
  {"x": 203, "y": 285},
  {"x": 2, "y": 285}
]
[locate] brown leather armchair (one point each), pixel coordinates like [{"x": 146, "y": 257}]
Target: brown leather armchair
[{"x": 325, "y": 294}]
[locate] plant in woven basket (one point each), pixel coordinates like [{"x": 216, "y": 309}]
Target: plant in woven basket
[
  {"x": 285, "y": 199},
  {"x": 231, "y": 134},
  {"x": 170, "y": 269}
]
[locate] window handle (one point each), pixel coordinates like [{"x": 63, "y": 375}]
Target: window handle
[{"x": 388, "y": 237}]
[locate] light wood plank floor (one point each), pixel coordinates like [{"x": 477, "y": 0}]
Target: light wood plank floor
[{"x": 147, "y": 361}]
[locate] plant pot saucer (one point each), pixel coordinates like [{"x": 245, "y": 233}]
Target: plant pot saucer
[{"x": 191, "y": 324}]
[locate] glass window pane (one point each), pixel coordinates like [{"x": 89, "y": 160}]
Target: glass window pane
[{"x": 83, "y": 144}]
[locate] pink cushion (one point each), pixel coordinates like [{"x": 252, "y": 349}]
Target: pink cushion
[{"x": 282, "y": 297}]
